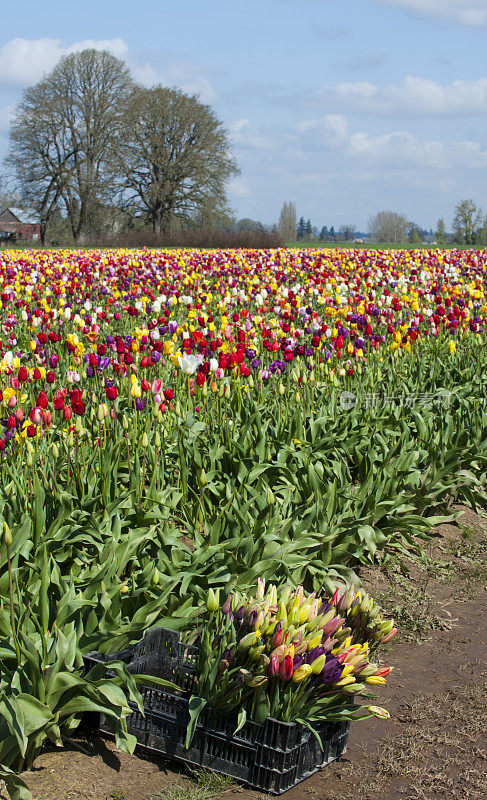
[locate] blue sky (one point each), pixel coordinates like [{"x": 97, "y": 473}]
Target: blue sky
[{"x": 347, "y": 107}]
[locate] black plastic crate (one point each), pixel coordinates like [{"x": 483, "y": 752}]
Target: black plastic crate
[
  {"x": 159, "y": 653},
  {"x": 273, "y": 756}
]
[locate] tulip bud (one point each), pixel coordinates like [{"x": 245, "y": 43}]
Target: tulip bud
[
  {"x": 227, "y": 605},
  {"x": 318, "y": 664},
  {"x": 213, "y": 600},
  {"x": 272, "y": 594},
  {"x": 203, "y": 477},
  {"x": 281, "y": 615},
  {"x": 29, "y": 460},
  {"x": 7, "y": 535},
  {"x": 303, "y": 672},
  {"x": 353, "y": 688},
  {"x": 259, "y": 621},
  {"x": 304, "y": 613},
  {"x": 125, "y": 423},
  {"x": 55, "y": 450},
  {"x": 315, "y": 641},
  {"x": 247, "y": 641},
  {"x": 155, "y": 577},
  {"x": 293, "y": 616},
  {"x": 286, "y": 669},
  {"x": 274, "y": 665},
  {"x": 254, "y": 683},
  {"x": 145, "y": 440},
  {"x": 282, "y": 389},
  {"x": 389, "y": 636},
  {"x": 270, "y": 497},
  {"x": 157, "y": 439},
  {"x": 256, "y": 652}
]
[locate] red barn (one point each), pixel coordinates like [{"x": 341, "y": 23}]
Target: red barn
[{"x": 18, "y": 224}]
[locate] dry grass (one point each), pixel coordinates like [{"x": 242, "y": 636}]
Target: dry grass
[{"x": 441, "y": 753}]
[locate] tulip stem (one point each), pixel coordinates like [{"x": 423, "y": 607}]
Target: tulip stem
[{"x": 12, "y": 616}]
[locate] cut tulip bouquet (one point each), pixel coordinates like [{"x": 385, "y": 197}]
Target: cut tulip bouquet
[{"x": 290, "y": 656}]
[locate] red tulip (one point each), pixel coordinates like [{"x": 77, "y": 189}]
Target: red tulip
[
  {"x": 42, "y": 400},
  {"x": 286, "y": 669}
]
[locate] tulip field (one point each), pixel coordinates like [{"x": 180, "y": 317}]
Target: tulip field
[{"x": 178, "y": 427}]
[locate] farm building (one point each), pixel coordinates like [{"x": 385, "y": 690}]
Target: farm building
[{"x": 18, "y": 224}]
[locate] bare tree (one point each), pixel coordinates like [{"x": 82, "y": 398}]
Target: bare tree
[
  {"x": 440, "y": 233},
  {"x": 467, "y": 222},
  {"x": 63, "y": 134},
  {"x": 173, "y": 158},
  {"x": 287, "y": 224},
  {"x": 387, "y": 226},
  {"x": 347, "y": 233}
]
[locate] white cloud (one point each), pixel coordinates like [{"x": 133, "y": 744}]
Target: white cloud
[
  {"x": 24, "y": 61},
  {"x": 346, "y": 172},
  {"x": 238, "y": 188},
  {"x": 333, "y": 127},
  {"x": 248, "y": 136},
  {"x": 415, "y": 97},
  {"x": 398, "y": 149},
  {"x": 467, "y": 12},
  {"x": 185, "y": 74}
]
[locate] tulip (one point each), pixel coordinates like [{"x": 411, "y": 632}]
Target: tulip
[
  {"x": 286, "y": 669},
  {"x": 256, "y": 652},
  {"x": 258, "y": 680},
  {"x": 378, "y": 712},
  {"x": 7, "y": 535},
  {"x": 318, "y": 664},
  {"x": 389, "y": 636},
  {"x": 213, "y": 600},
  {"x": 278, "y": 637},
  {"x": 247, "y": 641},
  {"x": 260, "y": 588},
  {"x": 274, "y": 665},
  {"x": 281, "y": 615},
  {"x": 302, "y": 673},
  {"x": 331, "y": 627},
  {"x": 36, "y": 416}
]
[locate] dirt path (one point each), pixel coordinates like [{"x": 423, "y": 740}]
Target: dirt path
[{"x": 434, "y": 746}]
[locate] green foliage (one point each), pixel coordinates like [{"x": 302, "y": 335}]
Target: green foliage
[{"x": 108, "y": 540}]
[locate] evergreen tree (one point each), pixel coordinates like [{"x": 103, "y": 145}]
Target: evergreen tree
[
  {"x": 332, "y": 234},
  {"x": 308, "y": 228},
  {"x": 301, "y": 228},
  {"x": 324, "y": 234}
]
